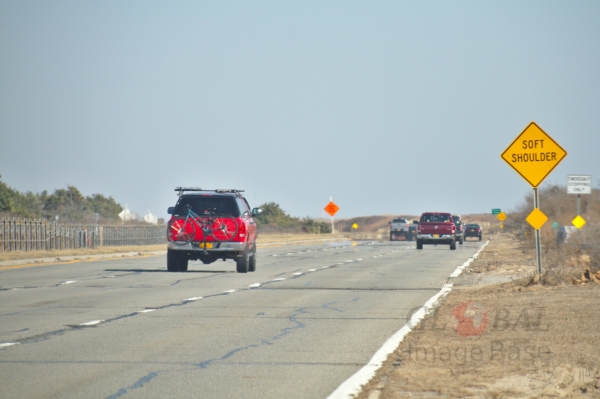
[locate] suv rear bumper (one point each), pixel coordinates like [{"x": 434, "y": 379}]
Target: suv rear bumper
[{"x": 216, "y": 249}]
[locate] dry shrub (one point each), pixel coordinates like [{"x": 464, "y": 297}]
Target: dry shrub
[{"x": 567, "y": 260}]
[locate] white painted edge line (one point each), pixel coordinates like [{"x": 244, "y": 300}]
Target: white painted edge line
[
  {"x": 228, "y": 292},
  {"x": 68, "y": 282},
  {"x": 279, "y": 279},
  {"x": 92, "y": 323},
  {"x": 195, "y": 298},
  {"x": 298, "y": 274},
  {"x": 7, "y": 344},
  {"x": 353, "y": 385},
  {"x": 146, "y": 310},
  {"x": 255, "y": 285}
]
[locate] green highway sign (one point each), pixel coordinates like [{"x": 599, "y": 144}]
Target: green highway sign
[
  {"x": 555, "y": 225},
  {"x": 496, "y": 211}
]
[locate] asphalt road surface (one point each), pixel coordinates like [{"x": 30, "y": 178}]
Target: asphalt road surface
[{"x": 306, "y": 320}]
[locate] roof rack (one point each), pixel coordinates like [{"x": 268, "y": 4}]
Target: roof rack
[{"x": 181, "y": 190}]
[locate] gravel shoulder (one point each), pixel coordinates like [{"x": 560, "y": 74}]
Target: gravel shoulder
[{"x": 497, "y": 334}]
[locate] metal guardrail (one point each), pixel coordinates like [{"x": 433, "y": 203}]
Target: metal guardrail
[{"x": 42, "y": 235}]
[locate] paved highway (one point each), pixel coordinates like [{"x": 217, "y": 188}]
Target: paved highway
[{"x": 306, "y": 320}]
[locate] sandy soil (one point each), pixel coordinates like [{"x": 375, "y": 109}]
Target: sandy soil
[{"x": 496, "y": 339}]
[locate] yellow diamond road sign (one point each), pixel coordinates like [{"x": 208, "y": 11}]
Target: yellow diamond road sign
[
  {"x": 536, "y": 219},
  {"x": 578, "y": 222},
  {"x": 533, "y": 154},
  {"x": 501, "y": 216},
  {"x": 355, "y": 226}
]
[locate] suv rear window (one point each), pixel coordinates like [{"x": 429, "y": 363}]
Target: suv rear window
[
  {"x": 399, "y": 221},
  {"x": 215, "y": 204}
]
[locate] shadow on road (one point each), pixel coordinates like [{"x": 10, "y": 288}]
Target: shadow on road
[{"x": 166, "y": 271}]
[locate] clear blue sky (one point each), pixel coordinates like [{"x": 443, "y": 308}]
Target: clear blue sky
[{"x": 390, "y": 106}]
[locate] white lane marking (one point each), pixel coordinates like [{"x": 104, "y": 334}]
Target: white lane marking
[
  {"x": 92, "y": 323},
  {"x": 459, "y": 269},
  {"x": 7, "y": 344},
  {"x": 255, "y": 285},
  {"x": 195, "y": 298},
  {"x": 312, "y": 270},
  {"x": 279, "y": 279},
  {"x": 325, "y": 267},
  {"x": 146, "y": 310},
  {"x": 359, "y": 259},
  {"x": 353, "y": 385},
  {"x": 298, "y": 274},
  {"x": 228, "y": 291},
  {"x": 68, "y": 282}
]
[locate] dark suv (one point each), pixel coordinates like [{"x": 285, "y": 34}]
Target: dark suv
[
  {"x": 473, "y": 230},
  {"x": 460, "y": 228},
  {"x": 208, "y": 225}
]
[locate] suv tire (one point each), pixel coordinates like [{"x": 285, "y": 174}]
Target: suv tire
[
  {"x": 419, "y": 244},
  {"x": 242, "y": 263},
  {"x": 252, "y": 262},
  {"x": 176, "y": 262},
  {"x": 453, "y": 245},
  {"x": 461, "y": 241}
]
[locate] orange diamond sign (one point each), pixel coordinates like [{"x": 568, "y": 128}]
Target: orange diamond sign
[
  {"x": 533, "y": 154},
  {"x": 536, "y": 219},
  {"x": 501, "y": 216},
  {"x": 332, "y": 208}
]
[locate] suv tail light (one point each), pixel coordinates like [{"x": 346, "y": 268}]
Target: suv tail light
[
  {"x": 453, "y": 229},
  {"x": 418, "y": 228},
  {"x": 241, "y": 233}
]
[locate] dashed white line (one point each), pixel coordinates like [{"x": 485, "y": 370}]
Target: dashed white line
[
  {"x": 255, "y": 285},
  {"x": 68, "y": 282},
  {"x": 193, "y": 298},
  {"x": 229, "y": 291},
  {"x": 7, "y": 344},
  {"x": 279, "y": 279},
  {"x": 146, "y": 310},
  {"x": 92, "y": 323},
  {"x": 312, "y": 270},
  {"x": 298, "y": 274},
  {"x": 325, "y": 267}
]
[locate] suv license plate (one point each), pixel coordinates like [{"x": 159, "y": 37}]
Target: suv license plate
[
  {"x": 208, "y": 245},
  {"x": 436, "y": 236}
]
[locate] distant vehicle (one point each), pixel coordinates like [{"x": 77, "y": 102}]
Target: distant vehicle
[
  {"x": 473, "y": 230},
  {"x": 399, "y": 229},
  {"x": 208, "y": 225},
  {"x": 460, "y": 228},
  {"x": 436, "y": 228}
]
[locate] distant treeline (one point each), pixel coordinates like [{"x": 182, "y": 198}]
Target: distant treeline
[
  {"x": 68, "y": 204},
  {"x": 275, "y": 219}
]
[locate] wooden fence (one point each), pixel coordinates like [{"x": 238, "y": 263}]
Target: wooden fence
[{"x": 42, "y": 235}]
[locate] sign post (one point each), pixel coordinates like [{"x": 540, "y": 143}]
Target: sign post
[
  {"x": 533, "y": 155},
  {"x": 331, "y": 209}
]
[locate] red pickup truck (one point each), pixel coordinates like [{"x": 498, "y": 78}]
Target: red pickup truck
[{"x": 436, "y": 228}]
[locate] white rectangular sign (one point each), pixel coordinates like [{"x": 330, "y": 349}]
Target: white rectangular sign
[{"x": 579, "y": 184}]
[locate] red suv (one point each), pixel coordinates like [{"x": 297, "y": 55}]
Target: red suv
[{"x": 208, "y": 225}]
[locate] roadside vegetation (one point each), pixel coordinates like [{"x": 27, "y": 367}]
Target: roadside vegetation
[
  {"x": 66, "y": 203},
  {"x": 566, "y": 257},
  {"x": 274, "y": 219}
]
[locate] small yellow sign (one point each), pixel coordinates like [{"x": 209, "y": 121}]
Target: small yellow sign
[
  {"x": 501, "y": 216},
  {"x": 355, "y": 226},
  {"x": 501, "y": 225},
  {"x": 578, "y": 222},
  {"x": 537, "y": 219},
  {"x": 533, "y": 154}
]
